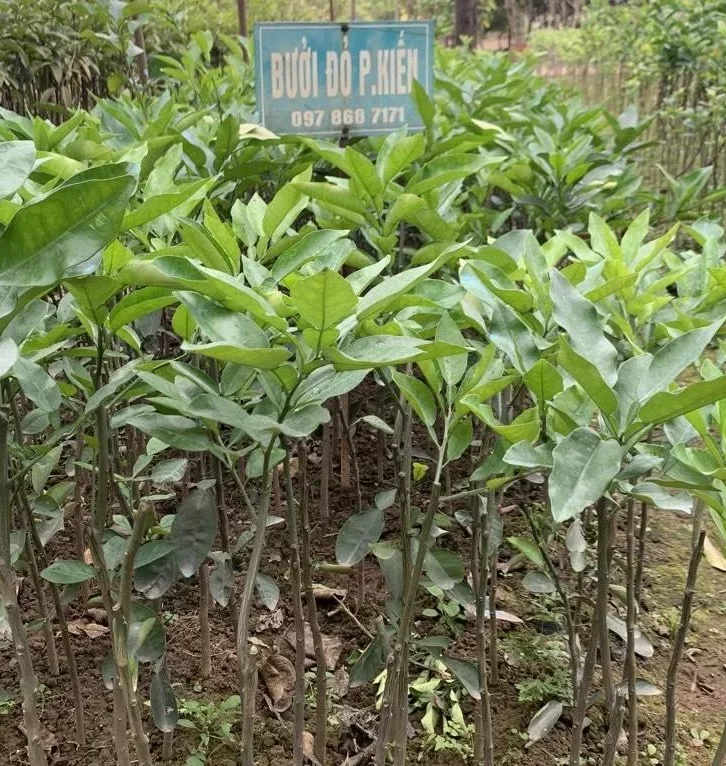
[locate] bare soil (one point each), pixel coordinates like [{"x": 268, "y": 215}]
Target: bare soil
[{"x": 701, "y": 687}]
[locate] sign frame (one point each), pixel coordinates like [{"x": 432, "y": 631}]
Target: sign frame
[{"x": 327, "y": 113}]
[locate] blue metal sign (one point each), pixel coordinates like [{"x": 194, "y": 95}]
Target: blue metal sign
[{"x": 332, "y": 79}]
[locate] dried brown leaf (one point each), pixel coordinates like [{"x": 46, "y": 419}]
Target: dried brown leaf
[
  {"x": 97, "y": 615},
  {"x": 272, "y": 621},
  {"x": 714, "y": 556},
  {"x": 332, "y": 646},
  {"x": 308, "y": 747},
  {"x": 278, "y": 674},
  {"x": 324, "y": 593},
  {"x": 82, "y": 626},
  {"x": 341, "y": 682}
]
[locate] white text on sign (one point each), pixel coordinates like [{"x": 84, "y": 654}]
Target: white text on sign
[{"x": 385, "y": 72}]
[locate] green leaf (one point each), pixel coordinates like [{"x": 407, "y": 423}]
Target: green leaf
[
  {"x": 444, "y": 568},
  {"x": 418, "y": 395},
  {"x": 338, "y": 200},
  {"x": 91, "y": 294},
  {"x": 146, "y": 633},
  {"x": 325, "y": 383},
  {"x": 356, "y": 535},
  {"x": 584, "y": 466},
  {"x": 602, "y": 239},
  {"x": 466, "y": 672},
  {"x": 323, "y": 299},
  {"x": 202, "y": 244},
  {"x": 543, "y": 380},
  {"x": 67, "y": 572},
  {"x": 193, "y": 530},
  {"x": 41, "y": 471},
  {"x": 524, "y": 455},
  {"x": 502, "y": 288},
  {"x": 510, "y": 334},
  {"x": 648, "y": 492},
  {"x": 525, "y": 427},
  {"x": 460, "y": 438},
  {"x": 267, "y": 591},
  {"x": 424, "y": 105},
  {"x": 174, "y": 430},
  {"x": 403, "y": 209},
  {"x": 163, "y": 703},
  {"x": 363, "y": 171},
  {"x": 8, "y": 355},
  {"x": 385, "y": 292},
  {"x": 169, "y": 471},
  {"x": 615, "y": 285},
  {"x": 259, "y": 358},
  {"x": 398, "y": 153},
  {"x": 452, "y": 368},
  {"x": 631, "y": 374},
  {"x": 221, "y": 324},
  {"x": 672, "y": 358},
  {"x": 368, "y": 665},
  {"x": 585, "y": 327},
  {"x": 634, "y": 236},
  {"x": 667, "y": 406},
  {"x": 538, "y": 582},
  {"x": 386, "y": 350},
  {"x": 444, "y": 169},
  {"x": 529, "y": 548},
  {"x": 37, "y": 385},
  {"x": 156, "y": 206},
  {"x": 316, "y": 244},
  {"x": 139, "y": 304},
  {"x": 152, "y": 551},
  {"x": 379, "y": 425},
  {"x": 224, "y": 410},
  {"x": 16, "y": 163},
  {"x": 588, "y": 376},
  {"x": 58, "y": 234},
  {"x": 285, "y": 207}
]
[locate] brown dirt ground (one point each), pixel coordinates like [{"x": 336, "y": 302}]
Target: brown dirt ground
[{"x": 702, "y": 680}]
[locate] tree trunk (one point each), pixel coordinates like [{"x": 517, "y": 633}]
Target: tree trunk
[{"x": 465, "y": 22}]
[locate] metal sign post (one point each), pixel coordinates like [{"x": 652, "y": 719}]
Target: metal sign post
[{"x": 350, "y": 79}]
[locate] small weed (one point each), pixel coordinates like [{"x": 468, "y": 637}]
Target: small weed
[
  {"x": 7, "y": 703},
  {"x": 700, "y": 737},
  {"x": 545, "y": 659},
  {"x": 447, "y": 610},
  {"x": 213, "y": 723}
]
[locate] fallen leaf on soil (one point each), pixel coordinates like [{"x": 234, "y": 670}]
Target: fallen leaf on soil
[
  {"x": 324, "y": 593},
  {"x": 332, "y": 646},
  {"x": 643, "y": 647},
  {"x": 308, "y": 747},
  {"x": 714, "y": 556},
  {"x": 87, "y": 556},
  {"x": 513, "y": 564},
  {"x": 272, "y": 621},
  {"x": 91, "y": 629},
  {"x": 257, "y": 642},
  {"x": 544, "y": 721},
  {"x": 278, "y": 673},
  {"x": 470, "y": 610},
  {"x": 274, "y": 555},
  {"x": 341, "y": 682}
]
